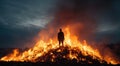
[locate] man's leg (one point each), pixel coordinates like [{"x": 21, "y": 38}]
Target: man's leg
[
  {"x": 62, "y": 43},
  {"x": 59, "y": 43}
]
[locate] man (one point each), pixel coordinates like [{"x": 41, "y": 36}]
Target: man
[{"x": 60, "y": 37}]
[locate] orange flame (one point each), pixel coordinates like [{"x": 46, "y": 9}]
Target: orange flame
[{"x": 42, "y": 47}]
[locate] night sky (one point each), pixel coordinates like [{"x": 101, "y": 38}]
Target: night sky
[{"x": 21, "y": 20}]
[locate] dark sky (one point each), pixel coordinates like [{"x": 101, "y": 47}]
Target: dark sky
[{"x": 21, "y": 20}]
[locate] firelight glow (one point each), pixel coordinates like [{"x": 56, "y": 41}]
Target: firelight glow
[{"x": 71, "y": 41}]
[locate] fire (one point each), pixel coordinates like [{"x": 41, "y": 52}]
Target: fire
[{"x": 41, "y": 48}]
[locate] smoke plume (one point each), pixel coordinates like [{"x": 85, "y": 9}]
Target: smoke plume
[
  {"x": 76, "y": 15},
  {"x": 72, "y": 13}
]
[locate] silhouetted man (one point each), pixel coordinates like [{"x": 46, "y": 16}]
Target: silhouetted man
[{"x": 60, "y": 37}]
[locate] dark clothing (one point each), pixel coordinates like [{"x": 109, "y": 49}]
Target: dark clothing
[{"x": 60, "y": 37}]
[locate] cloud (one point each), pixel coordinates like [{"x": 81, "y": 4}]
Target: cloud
[{"x": 20, "y": 21}]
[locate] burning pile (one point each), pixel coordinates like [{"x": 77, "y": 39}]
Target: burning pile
[
  {"x": 50, "y": 51},
  {"x": 77, "y": 24}
]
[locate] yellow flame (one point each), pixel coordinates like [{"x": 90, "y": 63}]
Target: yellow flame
[{"x": 42, "y": 47}]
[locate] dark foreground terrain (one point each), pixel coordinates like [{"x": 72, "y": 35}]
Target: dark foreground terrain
[{"x": 50, "y": 64}]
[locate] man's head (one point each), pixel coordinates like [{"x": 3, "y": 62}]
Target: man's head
[{"x": 60, "y": 30}]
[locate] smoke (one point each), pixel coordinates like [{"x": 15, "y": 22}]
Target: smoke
[
  {"x": 72, "y": 13},
  {"x": 76, "y": 15}
]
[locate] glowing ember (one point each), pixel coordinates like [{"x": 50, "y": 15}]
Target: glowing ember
[{"x": 72, "y": 44}]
